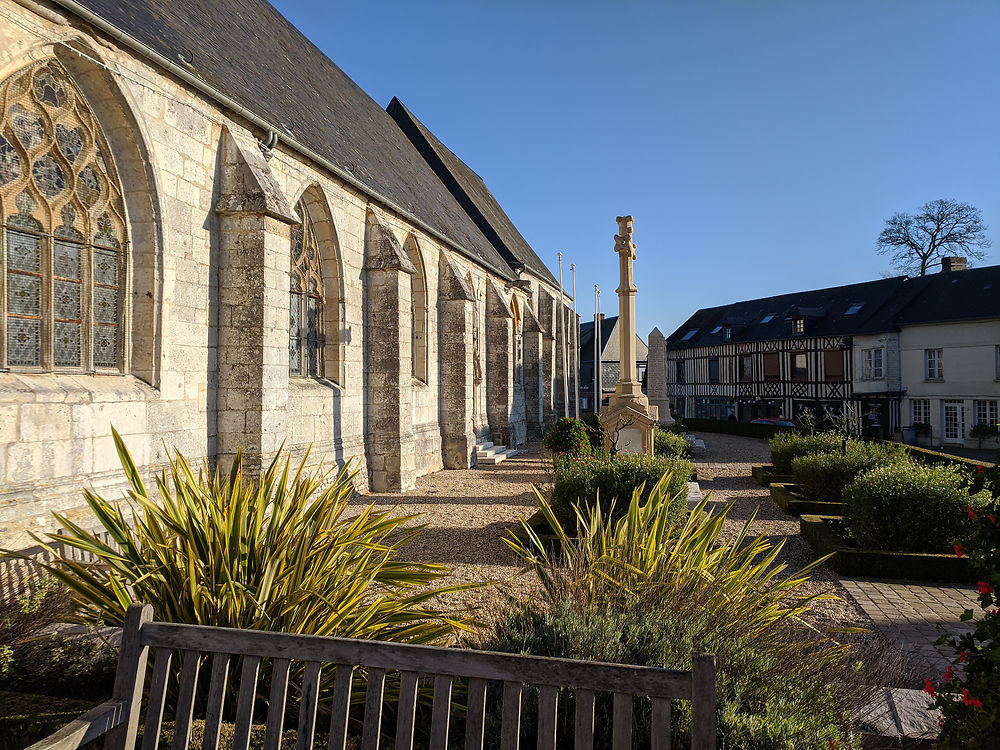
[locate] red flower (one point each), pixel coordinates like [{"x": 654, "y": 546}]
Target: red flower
[
  {"x": 985, "y": 588},
  {"x": 961, "y": 657},
  {"x": 993, "y": 519},
  {"x": 949, "y": 672},
  {"x": 972, "y": 513},
  {"x": 969, "y": 701},
  {"x": 929, "y": 689},
  {"x": 979, "y": 469},
  {"x": 940, "y": 722},
  {"x": 959, "y": 549}
]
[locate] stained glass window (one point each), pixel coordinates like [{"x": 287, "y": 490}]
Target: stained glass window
[
  {"x": 305, "y": 310},
  {"x": 62, "y": 225}
]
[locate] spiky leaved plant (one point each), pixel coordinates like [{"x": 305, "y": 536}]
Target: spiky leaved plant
[{"x": 276, "y": 553}]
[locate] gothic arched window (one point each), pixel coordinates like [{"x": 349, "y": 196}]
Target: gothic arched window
[
  {"x": 305, "y": 318},
  {"x": 63, "y": 225},
  {"x": 418, "y": 312}
]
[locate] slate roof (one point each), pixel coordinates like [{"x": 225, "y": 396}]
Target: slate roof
[
  {"x": 587, "y": 337},
  {"x": 250, "y": 52},
  {"x": 879, "y": 306},
  {"x": 471, "y": 192}
]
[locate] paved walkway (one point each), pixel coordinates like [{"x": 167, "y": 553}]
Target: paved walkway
[{"x": 910, "y": 614}]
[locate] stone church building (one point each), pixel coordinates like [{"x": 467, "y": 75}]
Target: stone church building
[{"x": 214, "y": 239}]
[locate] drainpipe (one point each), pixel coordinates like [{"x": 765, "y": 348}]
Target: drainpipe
[{"x": 188, "y": 77}]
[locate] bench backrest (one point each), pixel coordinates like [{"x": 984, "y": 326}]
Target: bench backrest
[{"x": 444, "y": 667}]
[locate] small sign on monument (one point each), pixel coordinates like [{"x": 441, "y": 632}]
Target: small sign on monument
[{"x": 628, "y": 420}]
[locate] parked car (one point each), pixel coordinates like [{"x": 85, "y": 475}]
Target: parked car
[{"x": 775, "y": 422}]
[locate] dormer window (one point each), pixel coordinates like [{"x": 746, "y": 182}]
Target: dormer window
[
  {"x": 798, "y": 325},
  {"x": 727, "y": 333}
]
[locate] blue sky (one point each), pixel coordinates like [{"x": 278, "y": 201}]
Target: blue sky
[{"x": 759, "y": 145}]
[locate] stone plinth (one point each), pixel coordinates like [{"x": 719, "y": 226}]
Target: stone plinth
[{"x": 656, "y": 375}]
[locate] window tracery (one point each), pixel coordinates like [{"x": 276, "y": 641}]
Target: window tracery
[
  {"x": 305, "y": 324},
  {"x": 62, "y": 222}
]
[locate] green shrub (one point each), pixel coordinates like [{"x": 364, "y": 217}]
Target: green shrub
[
  {"x": 823, "y": 476},
  {"x": 282, "y": 552},
  {"x": 969, "y": 694},
  {"x": 641, "y": 590},
  {"x": 611, "y": 481},
  {"x": 595, "y": 432},
  {"x": 911, "y": 508},
  {"x": 568, "y": 436},
  {"x": 788, "y": 445},
  {"x": 667, "y": 443}
]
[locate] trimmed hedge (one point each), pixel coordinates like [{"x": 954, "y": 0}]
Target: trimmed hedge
[
  {"x": 729, "y": 427},
  {"x": 568, "y": 436},
  {"x": 786, "y": 447},
  {"x": 910, "y": 507},
  {"x": 670, "y": 444},
  {"x": 612, "y": 480},
  {"x": 823, "y": 476}
]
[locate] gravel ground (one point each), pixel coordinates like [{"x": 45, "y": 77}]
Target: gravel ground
[
  {"x": 724, "y": 472},
  {"x": 467, "y": 513}
]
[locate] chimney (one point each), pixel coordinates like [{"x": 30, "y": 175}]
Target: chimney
[{"x": 954, "y": 263}]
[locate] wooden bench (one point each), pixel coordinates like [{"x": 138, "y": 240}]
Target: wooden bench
[{"x": 118, "y": 719}]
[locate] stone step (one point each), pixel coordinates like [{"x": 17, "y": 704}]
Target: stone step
[
  {"x": 488, "y": 452},
  {"x": 483, "y": 444},
  {"x": 495, "y": 458}
]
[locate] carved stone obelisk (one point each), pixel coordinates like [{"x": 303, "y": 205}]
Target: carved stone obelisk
[
  {"x": 656, "y": 375},
  {"x": 628, "y": 420}
]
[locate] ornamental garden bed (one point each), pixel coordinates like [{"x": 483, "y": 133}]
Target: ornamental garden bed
[
  {"x": 826, "y": 536},
  {"x": 764, "y": 474},
  {"x": 789, "y": 498}
]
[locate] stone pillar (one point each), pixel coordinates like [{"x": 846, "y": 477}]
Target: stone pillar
[
  {"x": 254, "y": 259},
  {"x": 533, "y": 376},
  {"x": 656, "y": 376},
  {"x": 388, "y": 372},
  {"x": 629, "y": 419},
  {"x": 499, "y": 365},
  {"x": 456, "y": 303},
  {"x": 547, "y": 320}
]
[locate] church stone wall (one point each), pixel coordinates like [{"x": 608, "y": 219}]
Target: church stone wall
[{"x": 204, "y": 374}]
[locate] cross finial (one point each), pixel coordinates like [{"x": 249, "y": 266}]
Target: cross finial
[{"x": 623, "y": 240}]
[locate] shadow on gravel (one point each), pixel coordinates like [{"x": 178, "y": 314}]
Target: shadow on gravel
[{"x": 456, "y": 544}]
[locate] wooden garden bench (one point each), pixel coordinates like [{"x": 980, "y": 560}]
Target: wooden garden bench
[{"x": 118, "y": 719}]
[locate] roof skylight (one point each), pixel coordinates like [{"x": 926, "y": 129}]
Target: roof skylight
[
  {"x": 767, "y": 318},
  {"x": 690, "y": 334},
  {"x": 854, "y": 308},
  {"x": 716, "y": 329}
]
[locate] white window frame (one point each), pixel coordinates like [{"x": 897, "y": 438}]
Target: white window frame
[
  {"x": 872, "y": 366},
  {"x": 997, "y": 361},
  {"x": 920, "y": 411},
  {"x": 986, "y": 411},
  {"x": 934, "y": 364}
]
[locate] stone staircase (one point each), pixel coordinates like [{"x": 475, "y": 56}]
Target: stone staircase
[{"x": 488, "y": 454}]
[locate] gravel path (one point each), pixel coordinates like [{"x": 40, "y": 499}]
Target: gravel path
[
  {"x": 467, "y": 513},
  {"x": 724, "y": 471}
]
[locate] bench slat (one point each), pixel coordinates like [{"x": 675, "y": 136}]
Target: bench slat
[
  {"x": 475, "y": 715},
  {"x": 406, "y": 711},
  {"x": 441, "y": 712},
  {"x": 597, "y": 676},
  {"x": 308, "y": 705},
  {"x": 157, "y": 697},
  {"x": 86, "y": 727},
  {"x": 185, "y": 700},
  {"x": 244, "y": 706},
  {"x": 660, "y": 724},
  {"x": 276, "y": 704},
  {"x": 703, "y": 729},
  {"x": 548, "y": 703},
  {"x": 510, "y": 722},
  {"x": 216, "y": 696},
  {"x": 341, "y": 706},
  {"x": 373, "y": 709},
  {"x": 583, "y": 723},
  {"x": 621, "y": 738}
]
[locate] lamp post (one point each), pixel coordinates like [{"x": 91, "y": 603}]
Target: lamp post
[
  {"x": 565, "y": 353},
  {"x": 576, "y": 348}
]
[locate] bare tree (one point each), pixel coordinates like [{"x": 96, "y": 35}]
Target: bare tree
[{"x": 939, "y": 228}]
